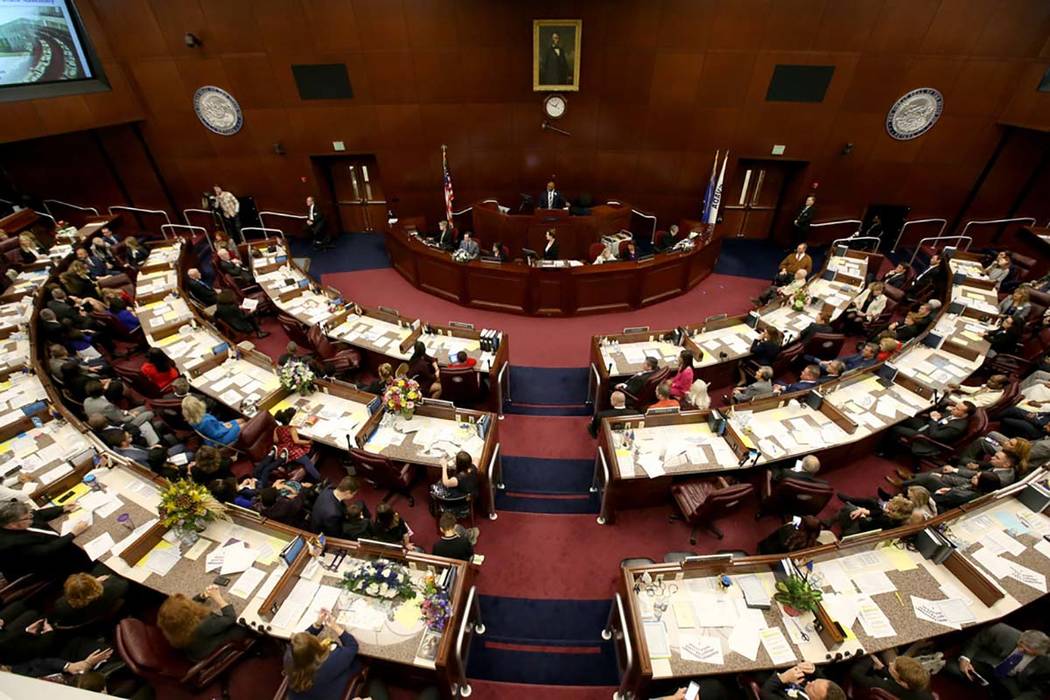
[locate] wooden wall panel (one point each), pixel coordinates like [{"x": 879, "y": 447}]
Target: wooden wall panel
[{"x": 664, "y": 84}]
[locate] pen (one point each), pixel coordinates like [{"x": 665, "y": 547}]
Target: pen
[{"x": 897, "y": 593}]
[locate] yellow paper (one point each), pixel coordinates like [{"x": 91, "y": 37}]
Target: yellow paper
[
  {"x": 899, "y": 558},
  {"x": 163, "y": 544},
  {"x": 5, "y": 385},
  {"x": 151, "y": 305},
  {"x": 280, "y": 406},
  {"x": 168, "y": 340},
  {"x": 473, "y": 345},
  {"x": 408, "y": 613},
  {"x": 78, "y": 491}
]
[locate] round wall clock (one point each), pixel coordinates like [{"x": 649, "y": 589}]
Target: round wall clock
[
  {"x": 218, "y": 110},
  {"x": 554, "y": 106},
  {"x": 914, "y": 114}
]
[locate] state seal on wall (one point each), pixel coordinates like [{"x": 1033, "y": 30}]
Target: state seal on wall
[
  {"x": 914, "y": 114},
  {"x": 218, "y": 110}
]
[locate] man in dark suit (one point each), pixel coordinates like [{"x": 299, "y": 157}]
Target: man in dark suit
[
  {"x": 634, "y": 385},
  {"x": 618, "y": 403},
  {"x": 807, "y": 379},
  {"x": 944, "y": 428},
  {"x": 897, "y": 277},
  {"x": 905, "y": 678},
  {"x": 315, "y": 225},
  {"x": 198, "y": 288},
  {"x": 551, "y": 199},
  {"x": 800, "y": 225},
  {"x": 329, "y": 511},
  {"x": 554, "y": 66},
  {"x": 914, "y": 324},
  {"x": 1014, "y": 663},
  {"x": 821, "y": 325},
  {"x": 806, "y": 469},
  {"x": 800, "y": 682},
  {"x": 29, "y": 546}
]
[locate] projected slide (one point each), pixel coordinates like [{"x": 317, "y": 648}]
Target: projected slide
[{"x": 39, "y": 43}]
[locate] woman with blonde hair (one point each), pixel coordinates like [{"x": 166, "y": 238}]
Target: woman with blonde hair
[
  {"x": 196, "y": 629},
  {"x": 221, "y": 432},
  {"x": 89, "y": 598},
  {"x": 922, "y": 502},
  {"x": 321, "y": 661},
  {"x": 30, "y": 248},
  {"x": 1016, "y": 304},
  {"x": 134, "y": 252}
]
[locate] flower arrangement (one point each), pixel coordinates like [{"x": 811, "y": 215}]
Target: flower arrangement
[
  {"x": 798, "y": 299},
  {"x": 188, "y": 506},
  {"x": 401, "y": 396},
  {"x": 296, "y": 376},
  {"x": 436, "y": 607},
  {"x": 381, "y": 579}
]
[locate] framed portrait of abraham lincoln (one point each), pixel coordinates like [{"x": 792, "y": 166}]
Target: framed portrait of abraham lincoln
[{"x": 556, "y": 55}]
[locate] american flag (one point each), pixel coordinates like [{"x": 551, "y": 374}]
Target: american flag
[{"x": 447, "y": 177}]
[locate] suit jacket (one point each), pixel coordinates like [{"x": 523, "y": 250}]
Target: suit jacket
[
  {"x": 948, "y": 431},
  {"x": 791, "y": 264},
  {"x": 332, "y": 677},
  {"x": 114, "y": 588},
  {"x": 908, "y": 331},
  {"x": 550, "y": 252},
  {"x": 993, "y": 644},
  {"x": 773, "y": 689},
  {"x": 315, "y": 219},
  {"x": 214, "y": 631},
  {"x": 26, "y": 552},
  {"x": 234, "y": 317},
  {"x": 895, "y": 280},
  {"x": 543, "y": 201},
  {"x": 805, "y": 215},
  {"x": 470, "y": 248},
  {"x": 447, "y": 240},
  {"x": 635, "y": 383},
  {"x": 875, "y": 307},
  {"x": 812, "y": 329},
  {"x": 329, "y": 514},
  {"x": 596, "y": 422},
  {"x": 800, "y": 385},
  {"x": 761, "y": 387},
  {"x": 201, "y": 291},
  {"x": 865, "y": 675},
  {"x": 237, "y": 272}
]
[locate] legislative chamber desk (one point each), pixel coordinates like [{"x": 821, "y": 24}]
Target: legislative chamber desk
[
  {"x": 52, "y": 445},
  {"x": 674, "y": 622},
  {"x": 565, "y": 290},
  {"x": 574, "y": 233}
]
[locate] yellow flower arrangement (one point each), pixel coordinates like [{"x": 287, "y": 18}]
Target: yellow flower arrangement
[{"x": 188, "y": 505}]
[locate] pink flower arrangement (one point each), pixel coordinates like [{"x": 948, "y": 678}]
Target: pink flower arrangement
[{"x": 401, "y": 396}]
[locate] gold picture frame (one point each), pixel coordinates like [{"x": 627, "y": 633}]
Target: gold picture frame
[{"x": 556, "y": 55}]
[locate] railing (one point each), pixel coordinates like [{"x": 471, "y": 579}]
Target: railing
[
  {"x": 186, "y": 214},
  {"x": 839, "y": 222},
  {"x": 610, "y": 631},
  {"x": 464, "y": 211},
  {"x": 53, "y": 221},
  {"x": 594, "y": 384},
  {"x": 960, "y": 238},
  {"x": 163, "y": 213},
  {"x": 652, "y": 234},
  {"x": 601, "y": 482},
  {"x": 471, "y": 609},
  {"x": 495, "y": 478},
  {"x": 175, "y": 232},
  {"x": 900, "y": 234},
  {"x": 975, "y": 222},
  {"x": 502, "y": 395},
  {"x": 67, "y": 204},
  {"x": 265, "y": 231},
  {"x": 854, "y": 239},
  {"x": 296, "y": 217}
]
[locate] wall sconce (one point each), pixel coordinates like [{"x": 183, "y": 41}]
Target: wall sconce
[
  {"x": 192, "y": 40},
  {"x": 847, "y": 149},
  {"x": 278, "y": 149}
]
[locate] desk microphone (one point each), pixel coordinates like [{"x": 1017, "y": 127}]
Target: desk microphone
[{"x": 723, "y": 355}]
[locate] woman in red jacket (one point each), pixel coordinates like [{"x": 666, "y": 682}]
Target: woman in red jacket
[{"x": 158, "y": 369}]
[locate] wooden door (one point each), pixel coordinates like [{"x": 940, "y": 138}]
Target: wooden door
[
  {"x": 753, "y": 196},
  {"x": 358, "y": 193}
]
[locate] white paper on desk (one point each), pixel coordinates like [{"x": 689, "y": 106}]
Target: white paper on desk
[
  {"x": 873, "y": 582},
  {"x": 325, "y": 598},
  {"x": 886, "y": 407},
  {"x": 111, "y": 506},
  {"x": 1026, "y": 576},
  {"x": 998, "y": 542},
  {"x": 237, "y": 557},
  {"x": 1043, "y": 547},
  {"x": 363, "y": 614},
  {"x": 247, "y": 583},
  {"x": 162, "y": 560},
  {"x": 297, "y": 601},
  {"x": 835, "y": 576},
  {"x": 231, "y": 397},
  {"x": 199, "y": 547},
  {"x": 214, "y": 560},
  {"x": 222, "y": 384},
  {"x": 119, "y": 547},
  {"x": 777, "y": 646},
  {"x": 842, "y": 608},
  {"x": 271, "y": 582},
  {"x": 56, "y": 473},
  {"x": 706, "y": 650},
  {"x": 715, "y": 611},
  {"x": 931, "y": 611},
  {"x": 992, "y": 562},
  {"x": 770, "y": 448},
  {"x": 656, "y": 639},
  {"x": 99, "y": 546},
  {"x": 78, "y": 517},
  {"x": 874, "y": 621},
  {"x": 652, "y": 464},
  {"x": 744, "y": 640}
]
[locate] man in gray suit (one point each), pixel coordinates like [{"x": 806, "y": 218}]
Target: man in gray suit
[
  {"x": 762, "y": 386},
  {"x": 469, "y": 246},
  {"x": 1014, "y": 663}
]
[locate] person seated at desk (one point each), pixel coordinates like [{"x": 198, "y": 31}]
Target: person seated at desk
[
  {"x": 469, "y": 246},
  {"x": 291, "y": 353},
  {"x": 26, "y": 634},
  {"x": 389, "y": 526},
  {"x": 790, "y": 537},
  {"x": 897, "y": 277},
  {"x": 96, "y": 402},
  {"x": 832, "y": 370},
  {"x": 329, "y": 512},
  {"x": 948, "y": 497},
  {"x": 43, "y": 667},
  {"x": 860, "y": 360},
  {"x": 199, "y": 289},
  {"x": 618, "y": 407},
  {"x": 499, "y": 251},
  {"x": 1015, "y": 664},
  {"x": 424, "y": 369},
  {"x": 665, "y": 240},
  {"x": 452, "y": 544},
  {"x": 321, "y": 661},
  {"x": 683, "y": 378},
  {"x": 803, "y": 680},
  {"x": 914, "y": 324},
  {"x": 29, "y": 546},
  {"x": 792, "y": 263},
  {"x": 30, "y": 249},
  {"x": 942, "y": 427},
  {"x": 233, "y": 267},
  {"x": 445, "y": 236},
  {"x": 864, "y": 514},
  {"x": 284, "y": 506},
  {"x": 981, "y": 396},
  {"x": 1030, "y": 454},
  {"x": 229, "y": 312},
  {"x": 551, "y": 199},
  {"x": 1016, "y": 304},
  {"x": 866, "y": 306},
  {"x": 384, "y": 375},
  {"x": 663, "y": 397},
  {"x": 764, "y": 352},
  {"x": 127, "y": 319},
  {"x": 286, "y": 440},
  {"x": 550, "y": 248},
  {"x": 1004, "y": 465},
  {"x": 89, "y": 598},
  {"x": 785, "y": 291},
  {"x": 95, "y": 267},
  {"x": 822, "y": 324},
  {"x": 808, "y": 378},
  {"x": 637, "y": 381},
  {"x": 904, "y": 677},
  {"x": 762, "y": 386},
  {"x": 1030, "y": 416},
  {"x": 125, "y": 448},
  {"x": 195, "y": 629},
  {"x": 356, "y": 525},
  {"x": 1000, "y": 268},
  {"x": 1005, "y": 338},
  {"x": 211, "y": 463},
  {"x": 196, "y": 414},
  {"x": 805, "y": 469},
  {"x": 158, "y": 369},
  {"x": 134, "y": 252},
  {"x": 77, "y": 281},
  {"x": 888, "y": 347},
  {"x": 102, "y": 252},
  {"x": 932, "y": 275}
]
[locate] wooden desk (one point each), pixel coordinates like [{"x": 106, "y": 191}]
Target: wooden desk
[
  {"x": 574, "y": 233},
  {"x": 515, "y": 287}
]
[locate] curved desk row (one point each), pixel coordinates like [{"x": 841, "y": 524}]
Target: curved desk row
[
  {"x": 574, "y": 233},
  {"x": 270, "y": 596},
  {"x": 516, "y": 287}
]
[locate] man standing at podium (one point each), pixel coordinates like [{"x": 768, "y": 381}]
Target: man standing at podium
[{"x": 551, "y": 199}]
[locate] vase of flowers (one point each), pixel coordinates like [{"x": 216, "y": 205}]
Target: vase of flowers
[
  {"x": 187, "y": 507},
  {"x": 401, "y": 396},
  {"x": 798, "y": 299},
  {"x": 436, "y": 608},
  {"x": 296, "y": 376},
  {"x": 382, "y": 579}
]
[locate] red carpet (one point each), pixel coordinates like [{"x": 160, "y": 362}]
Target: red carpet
[
  {"x": 550, "y": 437},
  {"x": 548, "y": 342}
]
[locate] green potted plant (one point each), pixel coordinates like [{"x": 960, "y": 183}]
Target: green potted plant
[{"x": 797, "y": 595}]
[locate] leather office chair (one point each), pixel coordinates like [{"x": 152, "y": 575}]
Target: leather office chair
[
  {"x": 700, "y": 501},
  {"x": 675, "y": 557},
  {"x": 256, "y": 438},
  {"x": 636, "y": 561},
  {"x": 622, "y": 249},
  {"x": 22, "y": 588},
  {"x": 1022, "y": 363},
  {"x": 294, "y": 330},
  {"x": 460, "y": 385},
  {"x": 383, "y": 473},
  {"x": 880, "y": 322},
  {"x": 133, "y": 377},
  {"x": 791, "y": 496},
  {"x": 977, "y": 426},
  {"x": 1011, "y": 394},
  {"x": 148, "y": 655},
  {"x": 594, "y": 251},
  {"x": 335, "y": 358},
  {"x": 10, "y": 249},
  {"x": 826, "y": 346},
  {"x": 460, "y": 506},
  {"x": 647, "y": 394},
  {"x": 104, "y": 617},
  {"x": 787, "y": 357},
  {"x": 355, "y": 688}
]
